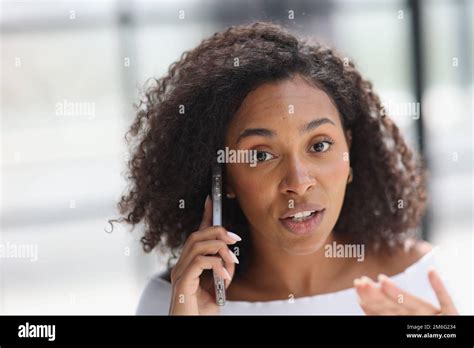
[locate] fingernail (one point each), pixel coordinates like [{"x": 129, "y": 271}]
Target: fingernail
[
  {"x": 365, "y": 280},
  {"x": 381, "y": 277},
  {"x": 226, "y": 274},
  {"x": 236, "y": 260},
  {"x": 357, "y": 282},
  {"x": 205, "y": 202},
  {"x": 234, "y": 236}
]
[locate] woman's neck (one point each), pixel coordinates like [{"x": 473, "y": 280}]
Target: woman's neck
[{"x": 272, "y": 273}]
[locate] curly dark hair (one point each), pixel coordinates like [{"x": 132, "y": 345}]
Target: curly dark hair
[{"x": 172, "y": 153}]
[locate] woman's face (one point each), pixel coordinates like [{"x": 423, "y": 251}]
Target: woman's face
[{"x": 291, "y": 124}]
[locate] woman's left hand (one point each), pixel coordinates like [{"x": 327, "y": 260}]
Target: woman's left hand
[{"x": 389, "y": 299}]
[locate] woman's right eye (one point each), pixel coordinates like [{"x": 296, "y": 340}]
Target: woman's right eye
[{"x": 262, "y": 156}]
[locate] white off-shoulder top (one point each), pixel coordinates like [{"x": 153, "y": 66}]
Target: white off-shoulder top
[{"x": 155, "y": 299}]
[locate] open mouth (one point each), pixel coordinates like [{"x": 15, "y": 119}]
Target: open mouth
[
  {"x": 302, "y": 216},
  {"x": 303, "y": 222}
]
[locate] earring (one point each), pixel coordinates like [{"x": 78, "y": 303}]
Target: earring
[
  {"x": 229, "y": 195},
  {"x": 349, "y": 180}
]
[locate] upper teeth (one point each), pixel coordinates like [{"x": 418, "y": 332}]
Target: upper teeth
[{"x": 302, "y": 214}]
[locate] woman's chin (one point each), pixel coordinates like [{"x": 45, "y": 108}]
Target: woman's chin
[{"x": 304, "y": 247}]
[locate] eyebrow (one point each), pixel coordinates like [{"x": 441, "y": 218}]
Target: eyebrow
[{"x": 267, "y": 133}]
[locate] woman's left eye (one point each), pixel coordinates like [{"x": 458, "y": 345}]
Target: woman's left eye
[
  {"x": 322, "y": 146},
  {"x": 263, "y": 156}
]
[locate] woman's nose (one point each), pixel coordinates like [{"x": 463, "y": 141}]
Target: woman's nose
[{"x": 298, "y": 178}]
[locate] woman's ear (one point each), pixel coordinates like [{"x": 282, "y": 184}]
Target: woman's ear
[
  {"x": 229, "y": 192},
  {"x": 349, "y": 138}
]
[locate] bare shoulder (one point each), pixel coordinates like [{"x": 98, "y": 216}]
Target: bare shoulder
[
  {"x": 415, "y": 249},
  {"x": 412, "y": 251}
]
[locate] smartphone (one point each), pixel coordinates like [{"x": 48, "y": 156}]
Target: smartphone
[{"x": 217, "y": 221}]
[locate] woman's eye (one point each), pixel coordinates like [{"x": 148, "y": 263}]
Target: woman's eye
[
  {"x": 263, "y": 156},
  {"x": 322, "y": 146}
]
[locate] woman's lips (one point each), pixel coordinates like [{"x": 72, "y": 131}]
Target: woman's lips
[{"x": 306, "y": 226}]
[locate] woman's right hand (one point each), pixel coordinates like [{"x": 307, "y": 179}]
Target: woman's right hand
[{"x": 204, "y": 249}]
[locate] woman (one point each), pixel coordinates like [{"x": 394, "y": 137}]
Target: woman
[{"x": 322, "y": 222}]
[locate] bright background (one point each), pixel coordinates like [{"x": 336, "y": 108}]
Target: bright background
[{"x": 61, "y": 176}]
